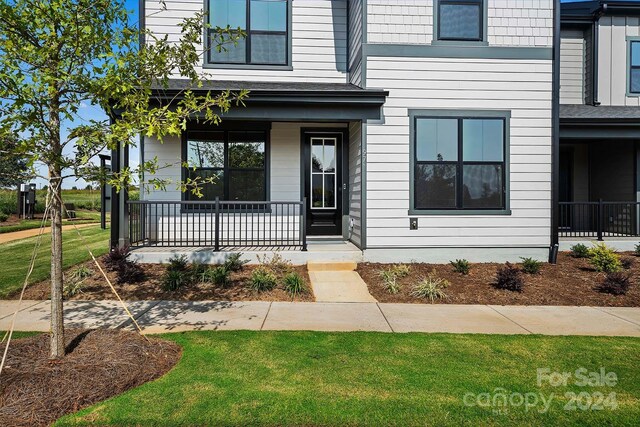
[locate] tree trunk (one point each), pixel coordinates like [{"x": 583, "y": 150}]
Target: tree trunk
[{"x": 57, "y": 323}]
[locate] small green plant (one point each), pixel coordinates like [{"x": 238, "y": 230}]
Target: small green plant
[
  {"x": 531, "y": 266},
  {"x": 277, "y": 264},
  {"x": 627, "y": 263},
  {"x": 220, "y": 276},
  {"x": 3, "y": 217},
  {"x": 198, "y": 269},
  {"x": 460, "y": 266},
  {"x": 616, "y": 283},
  {"x": 178, "y": 263},
  {"x": 262, "y": 279},
  {"x": 604, "y": 259},
  {"x": 72, "y": 288},
  {"x": 389, "y": 281},
  {"x": 81, "y": 273},
  {"x": 579, "y": 251},
  {"x": 172, "y": 280},
  {"x": 294, "y": 284},
  {"x": 509, "y": 278},
  {"x": 431, "y": 287},
  {"x": 400, "y": 270},
  {"x": 637, "y": 249},
  {"x": 235, "y": 262}
]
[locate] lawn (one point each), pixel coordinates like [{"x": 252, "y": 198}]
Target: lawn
[
  {"x": 15, "y": 256},
  {"x": 313, "y": 378}
]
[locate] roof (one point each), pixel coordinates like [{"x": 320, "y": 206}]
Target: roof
[
  {"x": 590, "y": 9},
  {"x": 599, "y": 113}
]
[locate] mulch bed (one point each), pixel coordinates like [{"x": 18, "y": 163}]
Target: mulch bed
[
  {"x": 571, "y": 281},
  {"x": 99, "y": 364},
  {"x": 95, "y": 288}
]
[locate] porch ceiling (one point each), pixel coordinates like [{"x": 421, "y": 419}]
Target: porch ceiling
[{"x": 286, "y": 101}]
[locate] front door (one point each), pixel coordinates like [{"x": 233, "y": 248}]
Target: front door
[{"x": 323, "y": 183}]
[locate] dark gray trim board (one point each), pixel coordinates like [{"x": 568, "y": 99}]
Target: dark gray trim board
[
  {"x": 457, "y": 51},
  {"x": 555, "y": 133},
  {"x": 599, "y": 131},
  {"x": 502, "y": 114}
]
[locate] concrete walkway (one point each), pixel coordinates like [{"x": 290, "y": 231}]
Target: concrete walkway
[
  {"x": 175, "y": 316},
  {"x": 338, "y": 282},
  {"x": 23, "y": 234}
]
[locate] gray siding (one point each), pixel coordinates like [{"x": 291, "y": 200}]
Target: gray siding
[
  {"x": 510, "y": 23},
  {"x": 612, "y": 61},
  {"x": 572, "y": 60},
  {"x": 355, "y": 182},
  {"x": 588, "y": 67},
  {"x": 355, "y": 40},
  {"x": 319, "y": 40},
  {"x": 522, "y": 86}
]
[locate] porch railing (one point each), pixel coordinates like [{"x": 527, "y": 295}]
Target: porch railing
[
  {"x": 599, "y": 219},
  {"x": 218, "y": 224}
]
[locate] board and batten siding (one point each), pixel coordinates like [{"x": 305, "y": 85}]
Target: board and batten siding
[
  {"x": 572, "y": 67},
  {"x": 355, "y": 182},
  {"x": 523, "y": 87},
  {"x": 510, "y": 22},
  {"x": 355, "y": 41},
  {"x": 319, "y": 40},
  {"x": 612, "y": 59}
]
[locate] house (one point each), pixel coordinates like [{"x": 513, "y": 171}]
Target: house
[
  {"x": 599, "y": 122},
  {"x": 398, "y": 130}
]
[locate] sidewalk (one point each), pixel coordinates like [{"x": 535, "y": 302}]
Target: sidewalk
[
  {"x": 177, "y": 316},
  {"x": 23, "y": 234}
]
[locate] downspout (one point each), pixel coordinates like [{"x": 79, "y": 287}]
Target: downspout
[
  {"x": 555, "y": 135},
  {"x": 596, "y": 38}
]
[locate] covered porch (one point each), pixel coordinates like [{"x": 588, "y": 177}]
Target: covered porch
[
  {"x": 281, "y": 174},
  {"x": 598, "y": 180}
]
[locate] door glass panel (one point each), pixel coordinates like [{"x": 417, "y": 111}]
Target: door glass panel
[
  {"x": 317, "y": 155},
  {"x": 323, "y": 173},
  {"x": 316, "y": 191},
  {"x": 329, "y": 156},
  {"x": 329, "y": 191}
]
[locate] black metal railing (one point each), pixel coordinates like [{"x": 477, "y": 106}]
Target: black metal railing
[
  {"x": 599, "y": 219},
  {"x": 219, "y": 224}
]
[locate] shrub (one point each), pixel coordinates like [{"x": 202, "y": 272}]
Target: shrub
[
  {"x": 509, "y": 278},
  {"x": 531, "y": 266},
  {"x": 198, "y": 269},
  {"x": 115, "y": 257},
  {"x": 172, "y": 280},
  {"x": 130, "y": 272},
  {"x": 262, "y": 280},
  {"x": 431, "y": 288},
  {"x": 389, "y": 281},
  {"x": 579, "y": 251},
  {"x": 277, "y": 264},
  {"x": 615, "y": 283},
  {"x": 219, "y": 275},
  {"x": 81, "y": 273},
  {"x": 604, "y": 259},
  {"x": 637, "y": 249},
  {"x": 234, "y": 262},
  {"x": 3, "y": 217},
  {"x": 72, "y": 288},
  {"x": 626, "y": 263},
  {"x": 460, "y": 266},
  {"x": 400, "y": 270},
  {"x": 294, "y": 284},
  {"x": 178, "y": 263}
]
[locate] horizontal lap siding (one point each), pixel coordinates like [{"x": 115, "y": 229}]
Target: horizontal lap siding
[
  {"x": 319, "y": 40},
  {"x": 169, "y": 157},
  {"x": 572, "y": 62},
  {"x": 355, "y": 181},
  {"x": 355, "y": 41},
  {"x": 462, "y": 84},
  {"x": 612, "y": 61}
]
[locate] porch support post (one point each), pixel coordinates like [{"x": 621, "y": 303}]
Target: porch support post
[
  {"x": 303, "y": 226},
  {"x": 555, "y": 135},
  {"x": 119, "y": 209}
]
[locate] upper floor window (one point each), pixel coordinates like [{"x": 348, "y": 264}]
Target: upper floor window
[
  {"x": 634, "y": 67},
  {"x": 460, "y": 20},
  {"x": 266, "y": 24}
]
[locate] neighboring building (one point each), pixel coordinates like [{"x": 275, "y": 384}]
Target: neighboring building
[{"x": 395, "y": 130}]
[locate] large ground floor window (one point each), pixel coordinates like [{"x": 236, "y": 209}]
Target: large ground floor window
[
  {"x": 459, "y": 161},
  {"x": 236, "y": 160}
]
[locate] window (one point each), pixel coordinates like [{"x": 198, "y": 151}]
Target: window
[
  {"x": 459, "y": 162},
  {"x": 265, "y": 23},
  {"x": 236, "y": 159},
  {"x": 634, "y": 67},
  {"x": 460, "y": 20}
]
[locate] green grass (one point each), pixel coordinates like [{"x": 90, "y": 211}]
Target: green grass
[
  {"x": 83, "y": 217},
  {"x": 313, "y": 378},
  {"x": 15, "y": 256}
]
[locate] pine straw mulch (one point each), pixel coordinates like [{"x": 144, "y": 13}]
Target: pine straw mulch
[
  {"x": 99, "y": 364},
  {"x": 571, "y": 281},
  {"x": 95, "y": 287}
]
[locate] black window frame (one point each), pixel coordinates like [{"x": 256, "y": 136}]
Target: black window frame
[
  {"x": 632, "y": 67},
  {"x": 460, "y": 163},
  {"x": 481, "y": 29},
  {"x": 186, "y": 196},
  {"x": 247, "y": 63}
]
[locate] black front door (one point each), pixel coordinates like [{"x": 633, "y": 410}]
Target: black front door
[{"x": 322, "y": 159}]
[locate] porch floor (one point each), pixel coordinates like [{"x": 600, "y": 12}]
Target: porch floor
[{"x": 318, "y": 249}]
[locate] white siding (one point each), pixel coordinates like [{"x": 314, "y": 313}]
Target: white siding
[
  {"x": 522, "y": 86},
  {"x": 510, "y": 22},
  {"x": 169, "y": 155},
  {"x": 572, "y": 60},
  {"x": 355, "y": 182},
  {"x": 319, "y": 40},
  {"x": 612, "y": 61}
]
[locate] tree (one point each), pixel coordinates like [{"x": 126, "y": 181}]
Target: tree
[
  {"x": 13, "y": 164},
  {"x": 56, "y": 55}
]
